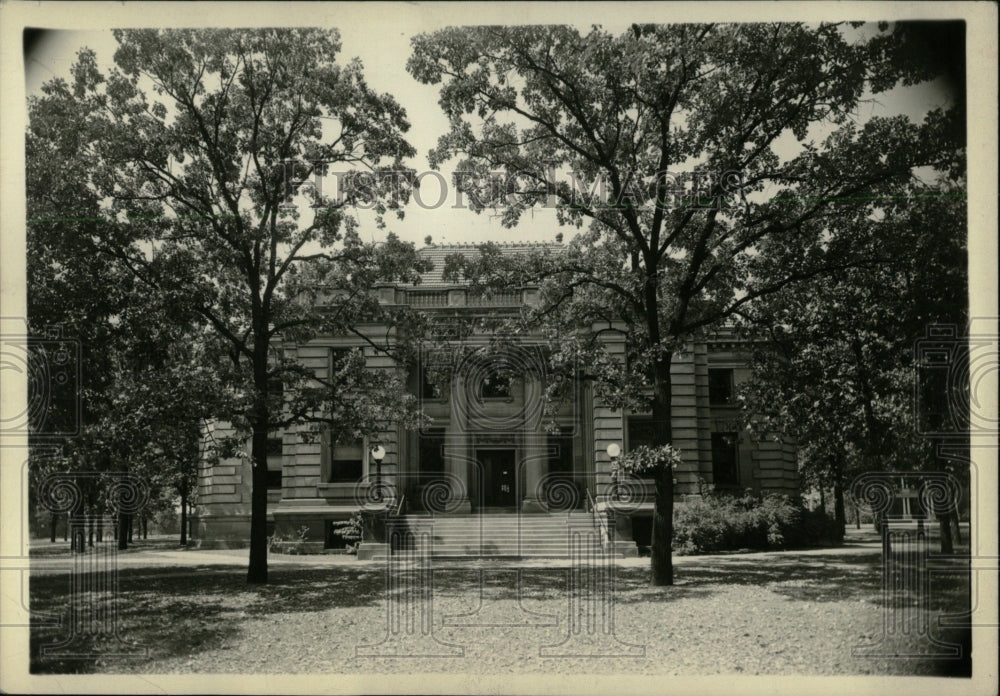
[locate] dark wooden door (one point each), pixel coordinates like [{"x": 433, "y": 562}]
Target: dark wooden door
[{"x": 498, "y": 482}]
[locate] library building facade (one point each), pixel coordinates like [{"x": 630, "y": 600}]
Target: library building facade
[{"x": 493, "y": 472}]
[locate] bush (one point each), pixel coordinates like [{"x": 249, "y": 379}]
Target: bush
[
  {"x": 727, "y": 523},
  {"x": 349, "y": 531},
  {"x": 817, "y": 529}
]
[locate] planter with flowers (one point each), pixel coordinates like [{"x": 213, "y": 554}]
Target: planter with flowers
[{"x": 628, "y": 490}]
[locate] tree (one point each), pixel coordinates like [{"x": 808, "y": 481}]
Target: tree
[
  {"x": 601, "y": 127},
  {"x": 837, "y": 369},
  {"x": 142, "y": 374},
  {"x": 69, "y": 293},
  {"x": 165, "y": 393},
  {"x": 199, "y": 210}
]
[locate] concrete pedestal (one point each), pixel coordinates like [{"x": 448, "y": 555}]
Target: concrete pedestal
[{"x": 372, "y": 550}]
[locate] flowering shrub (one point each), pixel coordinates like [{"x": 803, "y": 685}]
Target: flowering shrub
[
  {"x": 646, "y": 461},
  {"x": 727, "y": 523},
  {"x": 350, "y": 531},
  {"x": 280, "y": 544}
]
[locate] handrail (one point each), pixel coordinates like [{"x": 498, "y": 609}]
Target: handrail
[{"x": 600, "y": 520}]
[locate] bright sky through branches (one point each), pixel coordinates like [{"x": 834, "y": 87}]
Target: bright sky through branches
[{"x": 384, "y": 68}]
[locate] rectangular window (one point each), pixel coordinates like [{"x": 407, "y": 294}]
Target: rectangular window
[
  {"x": 720, "y": 387},
  {"x": 342, "y": 463},
  {"x": 342, "y": 358},
  {"x": 432, "y": 451},
  {"x": 640, "y": 432},
  {"x": 724, "y": 460},
  {"x": 561, "y": 451},
  {"x": 496, "y": 386},
  {"x": 273, "y": 479},
  {"x": 274, "y": 445},
  {"x": 276, "y": 387},
  {"x": 428, "y": 390}
]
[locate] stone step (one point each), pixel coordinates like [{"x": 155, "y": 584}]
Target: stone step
[
  {"x": 494, "y": 525},
  {"x": 486, "y": 542},
  {"x": 504, "y": 535},
  {"x": 513, "y": 531}
]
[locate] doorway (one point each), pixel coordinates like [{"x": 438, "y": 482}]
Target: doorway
[{"x": 497, "y": 478}]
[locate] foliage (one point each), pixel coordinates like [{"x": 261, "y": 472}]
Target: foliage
[
  {"x": 836, "y": 369},
  {"x": 645, "y": 460},
  {"x": 144, "y": 389},
  {"x": 190, "y": 149},
  {"x": 351, "y": 531},
  {"x": 166, "y": 521},
  {"x": 726, "y": 523},
  {"x": 293, "y": 545},
  {"x": 714, "y": 164}
]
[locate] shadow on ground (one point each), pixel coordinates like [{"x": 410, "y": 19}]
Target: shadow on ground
[
  {"x": 179, "y": 611},
  {"x": 165, "y": 612},
  {"x": 46, "y": 549}
]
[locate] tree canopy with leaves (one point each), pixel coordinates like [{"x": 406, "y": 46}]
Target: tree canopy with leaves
[
  {"x": 715, "y": 164},
  {"x": 190, "y": 144},
  {"x": 837, "y": 370}
]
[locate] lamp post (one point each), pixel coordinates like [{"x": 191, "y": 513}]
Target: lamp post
[
  {"x": 378, "y": 453},
  {"x": 614, "y": 451}
]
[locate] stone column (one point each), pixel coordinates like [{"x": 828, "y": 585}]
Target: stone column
[
  {"x": 456, "y": 448},
  {"x": 534, "y": 450}
]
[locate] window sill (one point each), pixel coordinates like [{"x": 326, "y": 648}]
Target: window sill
[{"x": 341, "y": 485}]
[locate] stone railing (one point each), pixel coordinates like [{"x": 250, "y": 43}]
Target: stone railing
[
  {"x": 461, "y": 297},
  {"x": 423, "y": 298},
  {"x": 438, "y": 298}
]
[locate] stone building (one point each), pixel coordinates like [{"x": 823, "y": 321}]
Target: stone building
[{"x": 489, "y": 450}]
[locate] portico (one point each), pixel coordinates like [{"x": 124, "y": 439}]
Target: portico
[{"x": 490, "y": 446}]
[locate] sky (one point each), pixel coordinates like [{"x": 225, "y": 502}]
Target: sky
[{"x": 383, "y": 48}]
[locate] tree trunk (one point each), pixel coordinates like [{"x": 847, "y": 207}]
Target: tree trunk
[
  {"x": 839, "y": 514},
  {"x": 144, "y": 521},
  {"x": 945, "y": 524},
  {"x": 129, "y": 518},
  {"x": 79, "y": 538},
  {"x": 857, "y": 515},
  {"x": 53, "y": 521},
  {"x": 123, "y": 524},
  {"x": 90, "y": 531},
  {"x": 822, "y": 499},
  {"x": 661, "y": 553},
  {"x": 257, "y": 570},
  {"x": 66, "y": 528},
  {"x": 956, "y": 528},
  {"x": 184, "y": 516},
  {"x": 257, "y": 567},
  {"x": 77, "y": 533}
]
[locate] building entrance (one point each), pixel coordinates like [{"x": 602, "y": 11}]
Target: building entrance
[{"x": 497, "y": 478}]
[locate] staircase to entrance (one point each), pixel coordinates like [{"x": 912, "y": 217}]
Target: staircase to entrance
[{"x": 500, "y": 535}]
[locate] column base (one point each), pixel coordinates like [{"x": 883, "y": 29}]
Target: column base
[
  {"x": 461, "y": 507},
  {"x": 372, "y": 550},
  {"x": 532, "y": 506}
]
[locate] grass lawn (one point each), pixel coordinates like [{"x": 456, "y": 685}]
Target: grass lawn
[{"x": 767, "y": 613}]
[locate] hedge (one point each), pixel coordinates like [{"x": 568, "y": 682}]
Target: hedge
[{"x": 722, "y": 522}]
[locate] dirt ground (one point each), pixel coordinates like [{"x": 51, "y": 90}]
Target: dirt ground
[{"x": 815, "y": 612}]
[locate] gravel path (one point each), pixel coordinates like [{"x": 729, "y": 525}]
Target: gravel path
[{"x": 774, "y": 613}]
